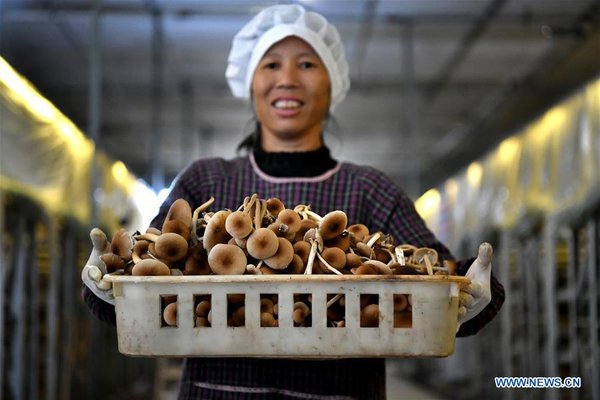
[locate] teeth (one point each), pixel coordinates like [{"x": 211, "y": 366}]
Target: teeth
[{"x": 286, "y": 104}]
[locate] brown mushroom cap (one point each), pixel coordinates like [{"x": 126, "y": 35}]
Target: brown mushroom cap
[
  {"x": 302, "y": 249},
  {"x": 381, "y": 268},
  {"x": 171, "y": 247},
  {"x": 359, "y": 231},
  {"x": 290, "y": 218},
  {"x": 403, "y": 319},
  {"x": 340, "y": 241},
  {"x": 177, "y": 226},
  {"x": 238, "y": 317},
  {"x": 170, "y": 314},
  {"x": 400, "y": 302},
  {"x": 364, "y": 269},
  {"x": 227, "y": 259},
  {"x": 305, "y": 225},
  {"x": 274, "y": 206},
  {"x": 150, "y": 267},
  {"x": 122, "y": 244},
  {"x": 180, "y": 210},
  {"x": 334, "y": 257},
  {"x": 297, "y": 266},
  {"x": 262, "y": 243},
  {"x": 332, "y": 224},
  {"x": 112, "y": 261},
  {"x": 353, "y": 260},
  {"x": 202, "y": 308},
  {"x": 282, "y": 257},
  {"x": 369, "y": 316},
  {"x": 301, "y": 311},
  {"x": 215, "y": 231},
  {"x": 238, "y": 224}
]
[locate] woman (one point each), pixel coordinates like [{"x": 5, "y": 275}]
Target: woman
[{"x": 292, "y": 65}]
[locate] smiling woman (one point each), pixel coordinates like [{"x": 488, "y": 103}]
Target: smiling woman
[{"x": 291, "y": 63}]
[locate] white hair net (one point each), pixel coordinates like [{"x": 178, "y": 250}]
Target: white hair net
[{"x": 274, "y": 24}]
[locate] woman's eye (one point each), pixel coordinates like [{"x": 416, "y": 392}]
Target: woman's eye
[
  {"x": 306, "y": 64},
  {"x": 271, "y": 65}
]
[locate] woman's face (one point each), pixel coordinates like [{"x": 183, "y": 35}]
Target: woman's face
[{"x": 291, "y": 96}]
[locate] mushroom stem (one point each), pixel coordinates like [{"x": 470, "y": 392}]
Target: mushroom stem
[
  {"x": 334, "y": 299},
  {"x": 311, "y": 257},
  {"x": 257, "y": 215},
  {"x": 400, "y": 255},
  {"x": 428, "y": 264},
  {"x": 374, "y": 239},
  {"x": 328, "y": 266},
  {"x": 313, "y": 215}
]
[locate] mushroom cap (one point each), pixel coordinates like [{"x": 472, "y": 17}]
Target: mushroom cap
[
  {"x": 369, "y": 316},
  {"x": 171, "y": 247},
  {"x": 381, "y": 268},
  {"x": 400, "y": 302},
  {"x": 363, "y": 249},
  {"x": 215, "y": 231},
  {"x": 302, "y": 249},
  {"x": 268, "y": 320},
  {"x": 227, "y": 259},
  {"x": 170, "y": 314},
  {"x": 194, "y": 266},
  {"x": 238, "y": 317},
  {"x": 305, "y": 225},
  {"x": 238, "y": 224},
  {"x": 274, "y": 206},
  {"x": 290, "y": 218},
  {"x": 202, "y": 308},
  {"x": 340, "y": 241},
  {"x": 112, "y": 261},
  {"x": 403, "y": 319},
  {"x": 364, "y": 269},
  {"x": 359, "y": 231},
  {"x": 297, "y": 266},
  {"x": 334, "y": 257},
  {"x": 122, "y": 244},
  {"x": 262, "y": 243},
  {"x": 420, "y": 254},
  {"x": 283, "y": 256},
  {"x": 301, "y": 311},
  {"x": 332, "y": 224},
  {"x": 150, "y": 267},
  {"x": 353, "y": 260},
  {"x": 177, "y": 226},
  {"x": 180, "y": 210}
]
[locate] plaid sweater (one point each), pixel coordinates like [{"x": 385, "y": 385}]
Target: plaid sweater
[{"x": 367, "y": 196}]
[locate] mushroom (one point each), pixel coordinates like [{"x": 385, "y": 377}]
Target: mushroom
[
  {"x": 202, "y": 309},
  {"x": 300, "y": 313},
  {"x": 341, "y": 241},
  {"x": 302, "y": 249},
  {"x": 291, "y": 219},
  {"x": 122, "y": 244},
  {"x": 297, "y": 266},
  {"x": 426, "y": 256},
  {"x": 150, "y": 267},
  {"x": 170, "y": 314},
  {"x": 275, "y": 206},
  {"x": 215, "y": 231},
  {"x": 316, "y": 244},
  {"x": 267, "y": 313},
  {"x": 352, "y": 260},
  {"x": 369, "y": 316},
  {"x": 358, "y": 232},
  {"x": 180, "y": 210},
  {"x": 112, "y": 261},
  {"x": 332, "y": 224},
  {"x": 239, "y": 224},
  {"x": 403, "y": 319},
  {"x": 305, "y": 225},
  {"x": 381, "y": 268},
  {"x": 335, "y": 257},
  {"x": 238, "y": 317},
  {"x": 177, "y": 226},
  {"x": 282, "y": 257},
  {"x": 227, "y": 259},
  {"x": 364, "y": 269},
  {"x": 400, "y": 302},
  {"x": 262, "y": 244},
  {"x": 171, "y": 247}
]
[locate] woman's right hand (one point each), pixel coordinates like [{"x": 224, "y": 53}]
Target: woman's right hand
[{"x": 94, "y": 268}]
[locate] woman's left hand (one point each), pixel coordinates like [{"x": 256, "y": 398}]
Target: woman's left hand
[{"x": 474, "y": 297}]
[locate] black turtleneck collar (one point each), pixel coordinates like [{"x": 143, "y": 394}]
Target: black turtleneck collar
[{"x": 294, "y": 164}]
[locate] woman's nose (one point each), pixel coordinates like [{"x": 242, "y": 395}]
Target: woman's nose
[{"x": 288, "y": 76}]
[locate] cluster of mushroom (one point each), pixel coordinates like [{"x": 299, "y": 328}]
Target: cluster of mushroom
[{"x": 262, "y": 236}]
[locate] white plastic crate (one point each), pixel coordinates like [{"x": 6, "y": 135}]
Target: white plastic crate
[{"x": 141, "y": 332}]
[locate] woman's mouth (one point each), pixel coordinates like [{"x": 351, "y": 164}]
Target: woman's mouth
[{"x": 287, "y": 107}]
